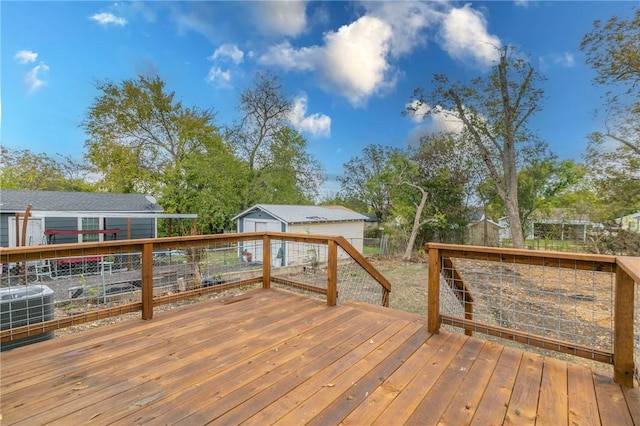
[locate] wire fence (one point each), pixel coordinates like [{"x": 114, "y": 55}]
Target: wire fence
[
  {"x": 558, "y": 304},
  {"x": 82, "y": 285}
]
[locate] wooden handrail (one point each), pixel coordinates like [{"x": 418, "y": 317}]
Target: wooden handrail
[
  {"x": 627, "y": 275},
  {"x": 146, "y": 247}
]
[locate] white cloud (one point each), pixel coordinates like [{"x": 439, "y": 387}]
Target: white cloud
[
  {"x": 33, "y": 78},
  {"x": 353, "y": 61},
  {"x": 432, "y": 120},
  {"x": 26, "y": 56},
  {"x": 288, "y": 57},
  {"x": 464, "y": 36},
  {"x": 408, "y": 21},
  {"x": 106, "y": 18},
  {"x": 286, "y": 18},
  {"x": 314, "y": 124},
  {"x": 356, "y": 60},
  {"x": 230, "y": 51},
  {"x": 417, "y": 111},
  {"x": 219, "y": 78},
  {"x": 564, "y": 59}
]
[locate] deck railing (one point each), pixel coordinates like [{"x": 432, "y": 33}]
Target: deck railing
[
  {"x": 578, "y": 304},
  {"x": 45, "y": 288}
]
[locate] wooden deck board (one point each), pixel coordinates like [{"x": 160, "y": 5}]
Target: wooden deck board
[
  {"x": 583, "y": 410},
  {"x": 463, "y": 405},
  {"x": 552, "y": 406},
  {"x": 274, "y": 357},
  {"x": 494, "y": 403},
  {"x": 437, "y": 400}
]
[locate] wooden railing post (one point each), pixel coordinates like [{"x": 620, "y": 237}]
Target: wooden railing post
[
  {"x": 623, "y": 329},
  {"x": 332, "y": 273},
  {"x": 433, "y": 303},
  {"x": 266, "y": 261},
  {"x": 147, "y": 281}
]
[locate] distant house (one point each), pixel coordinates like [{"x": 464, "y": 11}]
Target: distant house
[
  {"x": 557, "y": 224},
  {"x": 75, "y": 217},
  {"x": 371, "y": 221},
  {"x": 483, "y": 232},
  {"x": 560, "y": 224},
  {"x": 631, "y": 222},
  {"x": 325, "y": 220}
]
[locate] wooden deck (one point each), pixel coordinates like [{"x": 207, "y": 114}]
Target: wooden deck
[{"x": 274, "y": 357}]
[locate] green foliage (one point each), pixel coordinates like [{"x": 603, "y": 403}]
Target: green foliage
[
  {"x": 142, "y": 140},
  {"x": 494, "y": 110},
  {"x": 352, "y": 203},
  {"x": 364, "y": 180},
  {"x": 213, "y": 177},
  {"x": 292, "y": 176},
  {"x": 139, "y": 136},
  {"x": 540, "y": 184},
  {"x": 612, "y": 48},
  {"x": 445, "y": 174},
  {"x": 25, "y": 170},
  {"x": 615, "y": 177},
  {"x": 279, "y": 169}
]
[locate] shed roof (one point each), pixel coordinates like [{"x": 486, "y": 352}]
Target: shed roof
[
  {"x": 12, "y": 201},
  {"x": 305, "y": 214}
]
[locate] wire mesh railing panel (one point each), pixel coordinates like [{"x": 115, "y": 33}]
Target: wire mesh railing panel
[
  {"x": 48, "y": 288},
  {"x": 556, "y": 303},
  {"x": 218, "y": 263},
  {"x": 303, "y": 267},
  {"x": 63, "y": 288},
  {"x": 355, "y": 283},
  {"x": 299, "y": 266}
]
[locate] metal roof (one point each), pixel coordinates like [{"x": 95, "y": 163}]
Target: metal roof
[
  {"x": 12, "y": 201},
  {"x": 305, "y": 214}
]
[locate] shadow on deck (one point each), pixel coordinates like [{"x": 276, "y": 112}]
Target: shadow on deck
[{"x": 270, "y": 356}]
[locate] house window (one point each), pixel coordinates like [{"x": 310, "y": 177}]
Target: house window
[{"x": 90, "y": 223}]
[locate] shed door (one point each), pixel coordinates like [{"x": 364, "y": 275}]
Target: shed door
[{"x": 261, "y": 225}]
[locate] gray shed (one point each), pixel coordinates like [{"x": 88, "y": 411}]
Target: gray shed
[{"x": 318, "y": 220}]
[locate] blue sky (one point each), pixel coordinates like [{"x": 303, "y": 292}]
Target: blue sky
[{"x": 350, "y": 66}]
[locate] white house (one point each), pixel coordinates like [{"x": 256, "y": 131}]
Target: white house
[
  {"x": 317, "y": 220},
  {"x": 631, "y": 222}
]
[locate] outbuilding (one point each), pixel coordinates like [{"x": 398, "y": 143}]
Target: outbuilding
[
  {"x": 315, "y": 220},
  {"x": 74, "y": 217}
]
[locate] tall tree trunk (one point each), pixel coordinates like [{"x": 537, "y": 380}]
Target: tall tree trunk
[
  {"x": 517, "y": 233},
  {"x": 416, "y": 223}
]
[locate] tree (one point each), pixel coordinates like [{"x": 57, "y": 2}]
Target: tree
[
  {"x": 212, "y": 190},
  {"x": 612, "y": 50},
  {"x": 139, "y": 136},
  {"x": 291, "y": 175},
  {"x": 23, "y": 169},
  {"x": 541, "y": 181},
  {"x": 615, "y": 177},
  {"x": 494, "y": 110},
  {"x": 364, "y": 179},
  {"x": 432, "y": 186},
  {"x": 275, "y": 154},
  {"x": 140, "y": 139}
]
